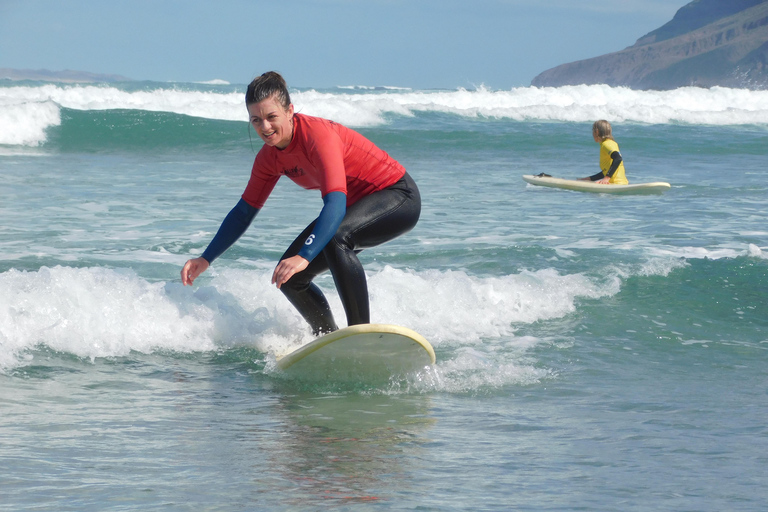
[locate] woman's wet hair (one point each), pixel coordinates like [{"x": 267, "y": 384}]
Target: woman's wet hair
[{"x": 265, "y": 86}]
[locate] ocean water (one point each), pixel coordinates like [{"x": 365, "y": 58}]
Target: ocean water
[{"x": 594, "y": 352}]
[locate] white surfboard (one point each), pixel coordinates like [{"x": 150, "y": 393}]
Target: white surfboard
[
  {"x": 365, "y": 352},
  {"x": 656, "y": 187}
]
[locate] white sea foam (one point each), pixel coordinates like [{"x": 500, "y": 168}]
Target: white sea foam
[
  {"x": 756, "y": 252},
  {"x": 94, "y": 313},
  {"x": 717, "y": 106},
  {"x": 215, "y": 81},
  {"x": 24, "y": 123},
  {"x": 99, "y": 312},
  {"x": 705, "y": 253},
  {"x": 454, "y": 308},
  {"x": 27, "y": 111}
]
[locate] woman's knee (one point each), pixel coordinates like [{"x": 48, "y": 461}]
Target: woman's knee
[{"x": 296, "y": 284}]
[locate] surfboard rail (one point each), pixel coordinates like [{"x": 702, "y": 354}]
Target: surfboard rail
[{"x": 655, "y": 187}]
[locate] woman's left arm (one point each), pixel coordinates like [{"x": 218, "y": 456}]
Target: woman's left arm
[
  {"x": 328, "y": 222},
  {"x": 326, "y": 225}
]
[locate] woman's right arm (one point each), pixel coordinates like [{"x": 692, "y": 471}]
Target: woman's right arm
[{"x": 233, "y": 227}]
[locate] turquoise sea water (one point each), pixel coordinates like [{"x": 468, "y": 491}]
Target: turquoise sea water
[{"x": 594, "y": 352}]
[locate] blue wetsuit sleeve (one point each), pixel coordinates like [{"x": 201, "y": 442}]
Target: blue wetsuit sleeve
[
  {"x": 328, "y": 222},
  {"x": 232, "y": 228}
]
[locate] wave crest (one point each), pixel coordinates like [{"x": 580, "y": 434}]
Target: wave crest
[{"x": 26, "y": 112}]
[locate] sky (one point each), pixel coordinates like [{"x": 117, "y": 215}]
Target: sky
[{"x": 423, "y": 44}]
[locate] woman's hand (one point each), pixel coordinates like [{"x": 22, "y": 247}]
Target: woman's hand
[
  {"x": 286, "y": 268},
  {"x": 604, "y": 181},
  {"x": 192, "y": 269}
]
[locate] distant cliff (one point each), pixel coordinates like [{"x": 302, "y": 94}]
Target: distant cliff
[
  {"x": 43, "y": 75},
  {"x": 707, "y": 43}
]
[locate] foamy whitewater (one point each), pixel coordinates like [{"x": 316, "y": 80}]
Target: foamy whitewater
[
  {"x": 594, "y": 352},
  {"x": 28, "y": 111}
]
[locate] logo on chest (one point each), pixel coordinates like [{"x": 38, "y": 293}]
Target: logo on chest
[{"x": 293, "y": 173}]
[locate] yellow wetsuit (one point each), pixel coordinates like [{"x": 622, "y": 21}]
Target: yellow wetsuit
[{"x": 607, "y": 147}]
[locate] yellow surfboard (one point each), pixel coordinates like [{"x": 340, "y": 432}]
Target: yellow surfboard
[{"x": 366, "y": 351}]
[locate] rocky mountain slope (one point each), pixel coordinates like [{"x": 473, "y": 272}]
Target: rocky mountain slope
[{"x": 707, "y": 43}]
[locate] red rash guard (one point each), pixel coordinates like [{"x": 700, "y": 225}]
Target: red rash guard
[{"x": 326, "y": 156}]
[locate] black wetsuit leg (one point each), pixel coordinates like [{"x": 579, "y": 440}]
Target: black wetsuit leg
[{"x": 373, "y": 220}]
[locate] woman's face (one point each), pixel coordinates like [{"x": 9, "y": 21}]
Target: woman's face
[{"x": 272, "y": 122}]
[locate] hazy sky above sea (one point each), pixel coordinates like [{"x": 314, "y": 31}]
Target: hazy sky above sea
[{"x": 323, "y": 43}]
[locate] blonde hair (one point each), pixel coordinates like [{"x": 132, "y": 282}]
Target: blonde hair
[{"x": 602, "y": 129}]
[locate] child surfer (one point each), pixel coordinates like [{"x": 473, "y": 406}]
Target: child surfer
[{"x": 611, "y": 163}]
